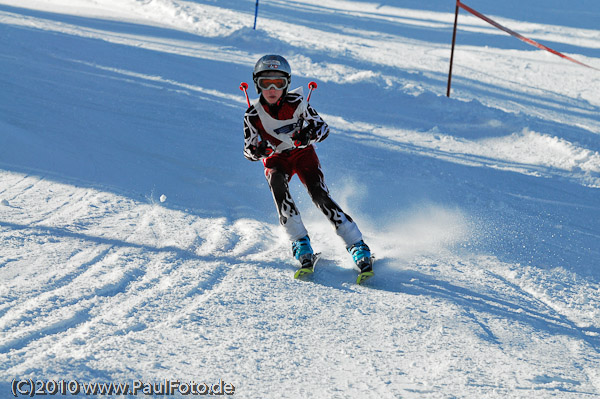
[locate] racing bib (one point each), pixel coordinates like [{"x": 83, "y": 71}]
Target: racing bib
[{"x": 282, "y": 130}]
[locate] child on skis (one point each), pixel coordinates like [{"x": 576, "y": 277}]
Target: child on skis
[{"x": 280, "y": 129}]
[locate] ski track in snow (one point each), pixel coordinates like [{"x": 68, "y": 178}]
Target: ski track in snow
[{"x": 486, "y": 232}]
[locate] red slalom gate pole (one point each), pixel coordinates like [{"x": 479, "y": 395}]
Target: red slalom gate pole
[
  {"x": 452, "y": 52},
  {"x": 244, "y": 88}
]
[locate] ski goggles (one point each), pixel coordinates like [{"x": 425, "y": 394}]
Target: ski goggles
[{"x": 272, "y": 82}]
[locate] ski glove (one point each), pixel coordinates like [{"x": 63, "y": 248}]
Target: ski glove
[
  {"x": 303, "y": 137},
  {"x": 264, "y": 149}
]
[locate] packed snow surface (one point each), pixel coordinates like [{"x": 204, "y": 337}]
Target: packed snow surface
[{"x": 138, "y": 245}]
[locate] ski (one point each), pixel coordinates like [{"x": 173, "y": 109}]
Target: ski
[
  {"x": 364, "y": 276},
  {"x": 307, "y": 270},
  {"x": 303, "y": 271}
]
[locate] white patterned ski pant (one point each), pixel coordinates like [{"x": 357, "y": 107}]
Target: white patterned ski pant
[{"x": 279, "y": 170}]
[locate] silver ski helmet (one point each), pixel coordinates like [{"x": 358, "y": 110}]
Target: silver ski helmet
[{"x": 271, "y": 63}]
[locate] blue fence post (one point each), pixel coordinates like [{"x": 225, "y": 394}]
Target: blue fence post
[{"x": 255, "y": 14}]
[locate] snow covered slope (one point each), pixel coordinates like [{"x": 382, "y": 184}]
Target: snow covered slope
[{"x": 137, "y": 244}]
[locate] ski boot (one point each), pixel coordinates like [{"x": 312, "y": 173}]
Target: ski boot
[
  {"x": 361, "y": 254},
  {"x": 303, "y": 252}
]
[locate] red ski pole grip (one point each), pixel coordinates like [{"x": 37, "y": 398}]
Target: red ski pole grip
[{"x": 244, "y": 87}]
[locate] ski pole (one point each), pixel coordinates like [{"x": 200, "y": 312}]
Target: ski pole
[
  {"x": 244, "y": 88},
  {"x": 311, "y": 86}
]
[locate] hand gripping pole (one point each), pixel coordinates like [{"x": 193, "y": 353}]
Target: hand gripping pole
[{"x": 311, "y": 86}]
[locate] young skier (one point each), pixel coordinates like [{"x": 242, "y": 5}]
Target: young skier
[{"x": 280, "y": 129}]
